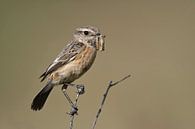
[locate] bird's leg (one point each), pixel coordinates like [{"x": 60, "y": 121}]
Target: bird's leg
[
  {"x": 80, "y": 91},
  {"x": 64, "y": 87},
  {"x": 74, "y": 108}
]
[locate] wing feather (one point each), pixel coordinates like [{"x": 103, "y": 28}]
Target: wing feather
[{"x": 67, "y": 55}]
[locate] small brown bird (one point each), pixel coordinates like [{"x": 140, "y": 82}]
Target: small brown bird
[{"x": 74, "y": 60}]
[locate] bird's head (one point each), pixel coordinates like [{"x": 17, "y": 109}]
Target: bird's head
[{"x": 90, "y": 35}]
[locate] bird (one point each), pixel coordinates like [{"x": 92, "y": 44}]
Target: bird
[{"x": 71, "y": 63}]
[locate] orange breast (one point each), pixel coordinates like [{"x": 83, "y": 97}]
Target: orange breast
[
  {"x": 76, "y": 68},
  {"x": 85, "y": 59}
]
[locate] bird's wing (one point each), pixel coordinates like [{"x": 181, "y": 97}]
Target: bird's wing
[{"x": 67, "y": 55}]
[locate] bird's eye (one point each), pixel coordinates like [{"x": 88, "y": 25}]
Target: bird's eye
[{"x": 86, "y": 32}]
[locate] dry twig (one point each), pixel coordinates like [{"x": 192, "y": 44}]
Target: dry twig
[
  {"x": 74, "y": 109},
  {"x": 80, "y": 91},
  {"x": 111, "y": 84}
]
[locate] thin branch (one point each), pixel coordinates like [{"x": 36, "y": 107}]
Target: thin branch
[
  {"x": 111, "y": 84},
  {"x": 74, "y": 109}
]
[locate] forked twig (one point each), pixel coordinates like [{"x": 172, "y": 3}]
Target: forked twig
[
  {"x": 74, "y": 109},
  {"x": 80, "y": 91},
  {"x": 111, "y": 84}
]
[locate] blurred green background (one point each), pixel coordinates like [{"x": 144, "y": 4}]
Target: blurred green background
[{"x": 152, "y": 40}]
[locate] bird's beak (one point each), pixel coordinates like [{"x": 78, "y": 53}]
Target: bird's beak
[{"x": 101, "y": 43}]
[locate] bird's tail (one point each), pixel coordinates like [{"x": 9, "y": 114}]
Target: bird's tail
[{"x": 41, "y": 97}]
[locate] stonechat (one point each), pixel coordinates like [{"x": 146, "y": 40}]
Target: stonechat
[{"x": 73, "y": 61}]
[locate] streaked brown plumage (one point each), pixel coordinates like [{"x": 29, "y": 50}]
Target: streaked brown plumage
[{"x": 74, "y": 60}]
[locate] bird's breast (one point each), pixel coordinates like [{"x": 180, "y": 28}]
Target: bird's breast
[
  {"x": 77, "y": 67},
  {"x": 85, "y": 59}
]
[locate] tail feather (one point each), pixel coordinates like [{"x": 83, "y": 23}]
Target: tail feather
[{"x": 41, "y": 97}]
